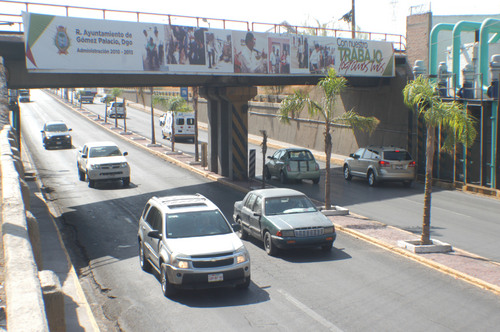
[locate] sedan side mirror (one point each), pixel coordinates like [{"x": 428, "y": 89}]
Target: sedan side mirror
[
  {"x": 155, "y": 234},
  {"x": 236, "y": 227},
  {"x": 270, "y": 157},
  {"x": 125, "y": 153}
]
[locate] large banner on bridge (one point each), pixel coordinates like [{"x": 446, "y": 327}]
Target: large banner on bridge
[{"x": 77, "y": 45}]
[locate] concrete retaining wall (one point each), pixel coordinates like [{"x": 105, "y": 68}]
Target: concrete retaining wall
[
  {"x": 25, "y": 305},
  {"x": 384, "y": 102}
]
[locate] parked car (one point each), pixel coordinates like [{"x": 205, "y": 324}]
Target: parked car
[
  {"x": 117, "y": 109},
  {"x": 102, "y": 161},
  {"x": 382, "y": 163},
  {"x": 292, "y": 164},
  {"x": 183, "y": 126},
  {"x": 283, "y": 218},
  {"x": 56, "y": 134},
  {"x": 190, "y": 243}
]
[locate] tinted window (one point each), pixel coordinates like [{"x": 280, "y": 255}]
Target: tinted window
[
  {"x": 190, "y": 121},
  {"x": 180, "y": 121},
  {"x": 301, "y": 155},
  {"x": 152, "y": 217},
  {"x": 370, "y": 154},
  {"x": 397, "y": 155},
  {"x": 200, "y": 223},
  {"x": 56, "y": 127}
]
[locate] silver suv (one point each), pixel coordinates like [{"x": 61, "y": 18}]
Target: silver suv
[
  {"x": 190, "y": 243},
  {"x": 380, "y": 163}
]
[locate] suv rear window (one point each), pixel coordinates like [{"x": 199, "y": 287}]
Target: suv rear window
[{"x": 397, "y": 155}]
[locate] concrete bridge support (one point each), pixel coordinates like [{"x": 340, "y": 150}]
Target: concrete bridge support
[{"x": 228, "y": 130}]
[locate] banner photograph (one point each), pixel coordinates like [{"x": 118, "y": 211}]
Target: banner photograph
[{"x": 77, "y": 45}]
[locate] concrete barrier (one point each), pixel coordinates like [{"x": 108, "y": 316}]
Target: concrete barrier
[
  {"x": 25, "y": 306},
  {"x": 53, "y": 297}
]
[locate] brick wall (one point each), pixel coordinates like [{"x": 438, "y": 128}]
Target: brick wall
[{"x": 418, "y": 29}]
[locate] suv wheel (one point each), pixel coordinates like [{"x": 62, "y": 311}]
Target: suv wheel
[
  {"x": 267, "y": 174},
  {"x": 407, "y": 183},
  {"x": 371, "y": 178},
  {"x": 316, "y": 181},
  {"x": 81, "y": 175},
  {"x": 244, "y": 285},
  {"x": 283, "y": 177},
  {"x": 91, "y": 183},
  {"x": 268, "y": 244},
  {"x": 145, "y": 264},
  {"x": 126, "y": 182},
  {"x": 167, "y": 288},
  {"x": 242, "y": 233},
  {"x": 347, "y": 173}
]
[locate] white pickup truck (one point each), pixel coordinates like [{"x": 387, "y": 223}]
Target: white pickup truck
[{"x": 102, "y": 161}]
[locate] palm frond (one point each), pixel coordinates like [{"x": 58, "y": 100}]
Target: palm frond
[{"x": 363, "y": 123}]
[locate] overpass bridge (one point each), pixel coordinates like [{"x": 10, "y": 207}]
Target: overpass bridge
[{"x": 51, "y": 51}]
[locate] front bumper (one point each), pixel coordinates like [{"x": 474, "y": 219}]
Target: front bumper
[
  {"x": 198, "y": 278},
  {"x": 57, "y": 141},
  {"x": 303, "y": 242},
  {"x": 109, "y": 174}
]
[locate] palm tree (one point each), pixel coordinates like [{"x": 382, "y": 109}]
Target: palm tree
[
  {"x": 450, "y": 117},
  {"x": 174, "y": 104},
  {"x": 332, "y": 86}
]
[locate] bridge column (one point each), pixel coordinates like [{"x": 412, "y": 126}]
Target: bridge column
[{"x": 228, "y": 113}]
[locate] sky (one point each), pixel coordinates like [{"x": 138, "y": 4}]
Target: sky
[{"x": 384, "y": 16}]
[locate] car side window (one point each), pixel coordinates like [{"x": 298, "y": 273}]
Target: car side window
[
  {"x": 257, "y": 207},
  {"x": 250, "y": 201},
  {"x": 152, "y": 217},
  {"x": 359, "y": 153},
  {"x": 84, "y": 151},
  {"x": 146, "y": 208},
  {"x": 276, "y": 155}
]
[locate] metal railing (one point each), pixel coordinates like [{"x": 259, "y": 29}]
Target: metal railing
[{"x": 11, "y": 17}]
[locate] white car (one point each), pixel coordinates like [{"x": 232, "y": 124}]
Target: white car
[
  {"x": 190, "y": 243},
  {"x": 117, "y": 110},
  {"x": 102, "y": 161}
]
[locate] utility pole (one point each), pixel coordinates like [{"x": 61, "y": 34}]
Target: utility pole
[
  {"x": 153, "y": 140},
  {"x": 353, "y": 20}
]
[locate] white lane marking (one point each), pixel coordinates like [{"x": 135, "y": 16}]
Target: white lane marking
[{"x": 311, "y": 313}]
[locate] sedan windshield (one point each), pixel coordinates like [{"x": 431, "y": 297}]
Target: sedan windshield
[
  {"x": 292, "y": 204},
  {"x": 199, "y": 223}
]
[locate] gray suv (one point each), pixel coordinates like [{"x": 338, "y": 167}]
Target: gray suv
[
  {"x": 380, "y": 163},
  {"x": 190, "y": 243}
]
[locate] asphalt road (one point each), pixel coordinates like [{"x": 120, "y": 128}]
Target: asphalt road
[
  {"x": 355, "y": 287},
  {"x": 466, "y": 221}
]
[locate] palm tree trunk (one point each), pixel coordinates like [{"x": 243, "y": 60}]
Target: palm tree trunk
[
  {"x": 426, "y": 223},
  {"x": 328, "y": 153}
]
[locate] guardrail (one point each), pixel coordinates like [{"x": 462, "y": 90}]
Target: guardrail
[{"x": 12, "y": 17}]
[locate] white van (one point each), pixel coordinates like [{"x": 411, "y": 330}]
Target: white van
[{"x": 184, "y": 125}]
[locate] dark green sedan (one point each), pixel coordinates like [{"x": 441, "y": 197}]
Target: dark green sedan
[{"x": 283, "y": 218}]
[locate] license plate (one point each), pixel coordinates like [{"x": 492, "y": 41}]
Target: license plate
[
  {"x": 215, "y": 277},
  {"x": 58, "y": 142},
  {"x": 399, "y": 167}
]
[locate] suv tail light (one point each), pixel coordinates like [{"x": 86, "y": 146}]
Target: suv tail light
[
  {"x": 411, "y": 164},
  {"x": 384, "y": 163}
]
